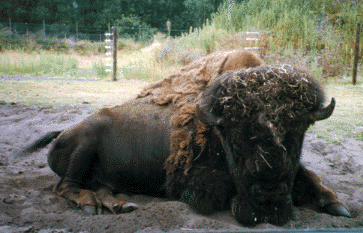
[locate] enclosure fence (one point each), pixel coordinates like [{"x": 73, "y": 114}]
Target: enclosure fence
[{"x": 81, "y": 32}]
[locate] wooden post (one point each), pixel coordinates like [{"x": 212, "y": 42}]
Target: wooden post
[
  {"x": 168, "y": 26},
  {"x": 76, "y": 30},
  {"x": 356, "y": 56},
  {"x": 44, "y": 28},
  {"x": 114, "y": 53}
]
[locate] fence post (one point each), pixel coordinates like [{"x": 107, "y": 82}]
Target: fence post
[
  {"x": 44, "y": 28},
  {"x": 76, "y": 30},
  {"x": 168, "y": 26},
  {"x": 114, "y": 53},
  {"x": 356, "y": 56}
]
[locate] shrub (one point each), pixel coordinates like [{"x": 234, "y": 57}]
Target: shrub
[
  {"x": 171, "y": 53},
  {"x": 84, "y": 47}
]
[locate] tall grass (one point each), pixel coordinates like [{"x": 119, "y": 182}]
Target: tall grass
[
  {"x": 37, "y": 64},
  {"x": 206, "y": 38},
  {"x": 320, "y": 28},
  {"x": 309, "y": 24},
  {"x": 140, "y": 64},
  {"x": 321, "y": 32},
  {"x": 144, "y": 65}
]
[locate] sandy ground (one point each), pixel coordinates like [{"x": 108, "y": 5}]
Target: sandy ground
[{"x": 27, "y": 203}]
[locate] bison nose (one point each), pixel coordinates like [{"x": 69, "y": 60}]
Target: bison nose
[{"x": 268, "y": 191}]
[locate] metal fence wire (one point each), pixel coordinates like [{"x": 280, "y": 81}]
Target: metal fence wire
[{"x": 80, "y": 32}]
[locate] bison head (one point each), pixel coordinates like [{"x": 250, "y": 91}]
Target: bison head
[{"x": 260, "y": 116}]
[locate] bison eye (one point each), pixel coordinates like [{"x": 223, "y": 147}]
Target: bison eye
[{"x": 236, "y": 147}]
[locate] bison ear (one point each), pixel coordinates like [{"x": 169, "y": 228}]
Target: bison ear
[
  {"x": 206, "y": 115},
  {"x": 206, "y": 108},
  {"x": 324, "y": 113}
]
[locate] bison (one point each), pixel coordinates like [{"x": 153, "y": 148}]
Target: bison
[{"x": 236, "y": 146}]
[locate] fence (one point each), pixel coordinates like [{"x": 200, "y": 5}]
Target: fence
[{"x": 80, "y": 32}]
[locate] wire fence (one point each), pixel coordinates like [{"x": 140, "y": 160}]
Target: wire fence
[{"x": 81, "y": 32}]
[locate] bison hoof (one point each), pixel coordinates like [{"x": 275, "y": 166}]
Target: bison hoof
[
  {"x": 337, "y": 210},
  {"x": 129, "y": 207},
  {"x": 89, "y": 209}
]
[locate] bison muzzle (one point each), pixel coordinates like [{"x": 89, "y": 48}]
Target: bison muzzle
[{"x": 243, "y": 140}]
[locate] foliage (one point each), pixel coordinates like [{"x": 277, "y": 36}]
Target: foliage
[
  {"x": 131, "y": 26},
  {"x": 319, "y": 26},
  {"x": 154, "y": 13},
  {"x": 84, "y": 47},
  {"x": 100, "y": 69},
  {"x": 206, "y": 39}
]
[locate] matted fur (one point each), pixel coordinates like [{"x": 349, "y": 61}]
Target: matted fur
[
  {"x": 182, "y": 89},
  {"x": 183, "y": 86},
  {"x": 275, "y": 97},
  {"x": 270, "y": 96}
]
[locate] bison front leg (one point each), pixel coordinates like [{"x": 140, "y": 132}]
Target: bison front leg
[
  {"x": 308, "y": 190},
  {"x": 204, "y": 189}
]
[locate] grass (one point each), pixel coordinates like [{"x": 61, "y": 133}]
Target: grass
[
  {"x": 65, "y": 92},
  {"x": 130, "y": 64},
  {"x": 37, "y": 64},
  {"x": 347, "y": 119},
  {"x": 143, "y": 65}
]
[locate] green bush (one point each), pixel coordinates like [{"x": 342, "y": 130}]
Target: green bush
[
  {"x": 327, "y": 27},
  {"x": 62, "y": 46},
  {"x": 132, "y": 27},
  {"x": 84, "y": 47},
  {"x": 9, "y": 40},
  {"x": 100, "y": 69}
]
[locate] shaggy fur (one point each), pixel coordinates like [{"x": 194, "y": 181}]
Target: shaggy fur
[
  {"x": 183, "y": 86},
  {"x": 270, "y": 96},
  {"x": 182, "y": 90},
  {"x": 266, "y": 98}
]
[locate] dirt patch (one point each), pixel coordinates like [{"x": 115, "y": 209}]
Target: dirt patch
[{"x": 27, "y": 203}]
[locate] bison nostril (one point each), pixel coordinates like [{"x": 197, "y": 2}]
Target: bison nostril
[{"x": 270, "y": 191}]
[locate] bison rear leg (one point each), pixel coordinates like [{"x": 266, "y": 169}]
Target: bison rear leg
[
  {"x": 78, "y": 173},
  {"x": 92, "y": 202},
  {"x": 84, "y": 198},
  {"x": 308, "y": 190},
  {"x": 114, "y": 204}
]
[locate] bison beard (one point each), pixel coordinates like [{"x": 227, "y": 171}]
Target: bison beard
[{"x": 237, "y": 145}]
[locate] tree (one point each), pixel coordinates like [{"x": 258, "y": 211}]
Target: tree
[{"x": 200, "y": 10}]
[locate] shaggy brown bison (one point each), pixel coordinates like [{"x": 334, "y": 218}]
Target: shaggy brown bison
[{"x": 237, "y": 145}]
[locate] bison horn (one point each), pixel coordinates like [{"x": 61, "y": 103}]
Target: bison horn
[
  {"x": 324, "y": 113},
  {"x": 207, "y": 117}
]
